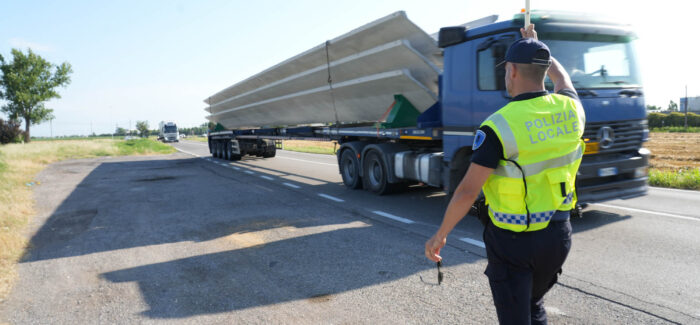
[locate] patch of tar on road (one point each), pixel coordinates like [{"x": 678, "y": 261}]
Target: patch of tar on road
[
  {"x": 63, "y": 227},
  {"x": 321, "y": 298},
  {"x": 155, "y": 179}
]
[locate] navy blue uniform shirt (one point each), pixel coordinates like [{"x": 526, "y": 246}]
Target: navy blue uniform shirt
[{"x": 490, "y": 150}]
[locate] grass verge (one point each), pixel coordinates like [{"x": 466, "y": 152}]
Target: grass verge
[
  {"x": 322, "y": 147},
  {"x": 19, "y": 165},
  {"x": 676, "y": 129},
  {"x": 195, "y": 139},
  {"x": 686, "y": 178}
]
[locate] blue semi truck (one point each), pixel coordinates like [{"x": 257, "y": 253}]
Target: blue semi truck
[{"x": 426, "y": 134}]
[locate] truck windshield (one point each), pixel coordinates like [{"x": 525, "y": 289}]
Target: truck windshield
[
  {"x": 170, "y": 129},
  {"x": 599, "y": 63}
]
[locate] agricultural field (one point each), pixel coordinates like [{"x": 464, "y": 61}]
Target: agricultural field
[{"x": 672, "y": 151}]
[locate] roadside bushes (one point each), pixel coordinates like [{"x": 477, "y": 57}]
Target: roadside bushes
[
  {"x": 657, "y": 120},
  {"x": 10, "y": 132}
]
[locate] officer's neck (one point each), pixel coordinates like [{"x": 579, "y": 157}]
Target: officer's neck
[{"x": 524, "y": 88}]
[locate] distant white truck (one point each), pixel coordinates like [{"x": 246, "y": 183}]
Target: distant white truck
[{"x": 167, "y": 132}]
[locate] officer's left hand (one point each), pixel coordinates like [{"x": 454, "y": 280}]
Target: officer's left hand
[{"x": 433, "y": 247}]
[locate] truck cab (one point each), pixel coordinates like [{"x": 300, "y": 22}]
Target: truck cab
[
  {"x": 601, "y": 60},
  {"x": 168, "y": 132}
]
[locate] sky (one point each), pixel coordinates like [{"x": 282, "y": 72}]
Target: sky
[{"x": 158, "y": 60}]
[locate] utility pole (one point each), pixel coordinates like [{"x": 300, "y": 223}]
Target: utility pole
[{"x": 51, "y": 126}]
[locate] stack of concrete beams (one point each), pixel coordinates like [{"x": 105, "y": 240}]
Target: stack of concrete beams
[{"x": 367, "y": 66}]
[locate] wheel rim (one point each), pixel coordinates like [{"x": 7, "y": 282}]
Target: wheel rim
[
  {"x": 349, "y": 170},
  {"x": 375, "y": 174}
]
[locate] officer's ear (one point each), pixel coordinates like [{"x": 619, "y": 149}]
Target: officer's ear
[{"x": 511, "y": 70}]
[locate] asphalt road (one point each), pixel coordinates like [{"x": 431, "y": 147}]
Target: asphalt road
[{"x": 189, "y": 239}]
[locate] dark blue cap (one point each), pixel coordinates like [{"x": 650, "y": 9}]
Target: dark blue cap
[{"x": 528, "y": 51}]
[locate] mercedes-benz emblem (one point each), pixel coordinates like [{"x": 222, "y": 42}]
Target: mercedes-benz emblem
[{"x": 606, "y": 137}]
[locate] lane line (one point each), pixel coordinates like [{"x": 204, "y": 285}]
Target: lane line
[
  {"x": 267, "y": 178},
  {"x": 330, "y": 197},
  {"x": 474, "y": 242},
  {"x": 236, "y": 168},
  {"x": 647, "y": 211},
  {"x": 309, "y": 161},
  {"x": 675, "y": 190},
  {"x": 393, "y": 217},
  {"x": 291, "y": 185},
  {"x": 187, "y": 152},
  {"x": 249, "y": 172}
]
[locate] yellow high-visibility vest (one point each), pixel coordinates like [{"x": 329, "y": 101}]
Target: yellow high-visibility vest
[{"x": 542, "y": 147}]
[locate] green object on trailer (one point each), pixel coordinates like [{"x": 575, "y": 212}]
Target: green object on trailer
[
  {"x": 219, "y": 127},
  {"x": 402, "y": 114}
]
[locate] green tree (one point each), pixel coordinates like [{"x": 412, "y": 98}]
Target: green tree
[
  {"x": 672, "y": 106},
  {"x": 653, "y": 107},
  {"x": 142, "y": 127},
  {"x": 120, "y": 131},
  {"x": 29, "y": 81}
]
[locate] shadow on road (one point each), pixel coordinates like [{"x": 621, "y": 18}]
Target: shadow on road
[
  {"x": 595, "y": 219},
  {"x": 314, "y": 268},
  {"x": 243, "y": 246}
]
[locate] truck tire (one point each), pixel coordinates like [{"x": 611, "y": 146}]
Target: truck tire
[
  {"x": 350, "y": 169},
  {"x": 270, "y": 151},
  {"x": 375, "y": 174},
  {"x": 227, "y": 150},
  {"x": 217, "y": 149}
]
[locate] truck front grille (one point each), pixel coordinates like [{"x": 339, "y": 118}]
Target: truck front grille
[{"x": 625, "y": 135}]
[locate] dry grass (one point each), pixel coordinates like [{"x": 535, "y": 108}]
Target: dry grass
[
  {"x": 674, "y": 151},
  {"x": 322, "y": 147},
  {"x": 19, "y": 164}
]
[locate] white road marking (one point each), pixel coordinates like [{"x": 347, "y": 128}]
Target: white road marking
[
  {"x": 473, "y": 242},
  {"x": 393, "y": 217},
  {"x": 330, "y": 197},
  {"x": 267, "y": 178},
  {"x": 187, "y": 152},
  {"x": 675, "y": 190},
  {"x": 309, "y": 161},
  {"x": 646, "y": 211},
  {"x": 291, "y": 185},
  {"x": 236, "y": 168},
  {"x": 249, "y": 172}
]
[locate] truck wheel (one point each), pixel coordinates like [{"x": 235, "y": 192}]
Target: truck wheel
[
  {"x": 227, "y": 150},
  {"x": 270, "y": 152},
  {"x": 350, "y": 169},
  {"x": 375, "y": 174},
  {"x": 217, "y": 151}
]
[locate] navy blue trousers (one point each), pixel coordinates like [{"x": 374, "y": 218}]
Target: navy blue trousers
[{"x": 522, "y": 267}]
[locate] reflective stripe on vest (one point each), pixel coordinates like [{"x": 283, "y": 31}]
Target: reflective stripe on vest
[
  {"x": 510, "y": 146},
  {"x": 536, "y": 217},
  {"x": 512, "y": 171}
]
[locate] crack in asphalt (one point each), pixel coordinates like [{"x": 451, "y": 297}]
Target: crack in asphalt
[{"x": 570, "y": 287}]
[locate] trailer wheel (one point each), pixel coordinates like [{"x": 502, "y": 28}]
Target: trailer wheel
[
  {"x": 227, "y": 150},
  {"x": 350, "y": 169},
  {"x": 375, "y": 174},
  {"x": 270, "y": 151},
  {"x": 217, "y": 150}
]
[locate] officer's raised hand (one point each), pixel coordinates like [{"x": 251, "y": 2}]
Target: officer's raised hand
[{"x": 529, "y": 32}]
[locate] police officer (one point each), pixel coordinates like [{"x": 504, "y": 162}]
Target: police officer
[{"x": 525, "y": 160}]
